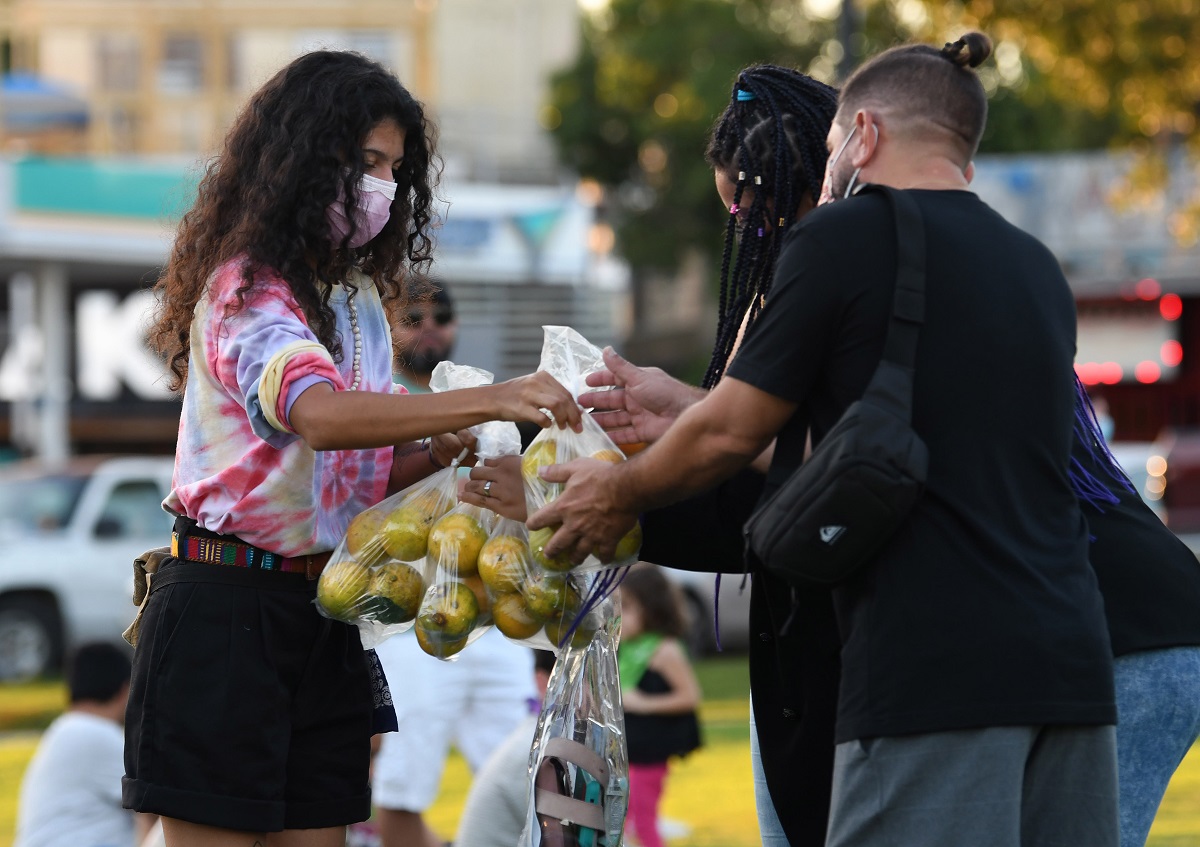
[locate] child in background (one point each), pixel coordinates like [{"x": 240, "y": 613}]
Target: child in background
[{"x": 659, "y": 691}]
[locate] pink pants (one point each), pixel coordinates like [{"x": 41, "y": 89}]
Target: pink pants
[{"x": 645, "y": 790}]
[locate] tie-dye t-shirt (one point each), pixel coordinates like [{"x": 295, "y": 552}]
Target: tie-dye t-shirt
[{"x": 239, "y": 467}]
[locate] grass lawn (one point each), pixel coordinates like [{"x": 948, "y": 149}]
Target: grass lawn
[{"x": 710, "y": 793}]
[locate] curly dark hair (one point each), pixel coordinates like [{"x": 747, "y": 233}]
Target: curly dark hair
[
  {"x": 265, "y": 197},
  {"x": 770, "y": 137}
]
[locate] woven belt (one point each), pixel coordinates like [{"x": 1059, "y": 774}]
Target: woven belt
[{"x": 223, "y": 551}]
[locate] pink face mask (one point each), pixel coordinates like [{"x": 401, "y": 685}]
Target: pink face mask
[{"x": 375, "y": 198}]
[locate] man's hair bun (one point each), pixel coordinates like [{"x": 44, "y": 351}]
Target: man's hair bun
[{"x": 969, "y": 51}]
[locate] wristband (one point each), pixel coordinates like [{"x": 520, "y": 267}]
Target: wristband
[{"x": 432, "y": 458}]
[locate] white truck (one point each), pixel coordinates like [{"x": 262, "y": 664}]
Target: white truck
[{"x": 68, "y": 537}]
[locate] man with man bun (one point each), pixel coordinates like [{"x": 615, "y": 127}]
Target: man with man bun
[{"x": 976, "y": 696}]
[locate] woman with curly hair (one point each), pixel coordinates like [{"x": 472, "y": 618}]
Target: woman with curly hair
[{"x": 249, "y": 712}]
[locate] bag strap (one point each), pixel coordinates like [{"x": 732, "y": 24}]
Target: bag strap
[
  {"x": 577, "y": 754},
  {"x": 555, "y": 803},
  {"x": 892, "y": 384}
]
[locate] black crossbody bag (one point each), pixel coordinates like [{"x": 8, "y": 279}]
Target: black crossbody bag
[{"x": 838, "y": 509}]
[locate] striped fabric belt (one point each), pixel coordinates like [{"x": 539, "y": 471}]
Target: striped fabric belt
[{"x": 223, "y": 551}]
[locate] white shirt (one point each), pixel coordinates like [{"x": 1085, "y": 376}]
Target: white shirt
[
  {"x": 71, "y": 792},
  {"x": 497, "y": 806}
]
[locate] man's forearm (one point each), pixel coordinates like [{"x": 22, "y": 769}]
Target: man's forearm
[{"x": 691, "y": 457}]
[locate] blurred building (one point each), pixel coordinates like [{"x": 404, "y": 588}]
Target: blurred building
[
  {"x": 1133, "y": 266},
  {"x": 152, "y": 86},
  {"x": 1131, "y": 250},
  {"x": 168, "y": 76}
]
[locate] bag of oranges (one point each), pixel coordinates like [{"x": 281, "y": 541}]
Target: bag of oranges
[
  {"x": 456, "y": 608},
  {"x": 377, "y": 575},
  {"x": 537, "y": 606},
  {"x": 569, "y": 358}
]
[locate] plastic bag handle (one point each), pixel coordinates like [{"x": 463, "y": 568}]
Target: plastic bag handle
[{"x": 579, "y": 755}]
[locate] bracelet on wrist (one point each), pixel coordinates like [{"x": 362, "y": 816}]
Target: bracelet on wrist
[{"x": 432, "y": 458}]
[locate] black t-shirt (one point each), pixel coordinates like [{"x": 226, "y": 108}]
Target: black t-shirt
[
  {"x": 1150, "y": 580},
  {"x": 982, "y": 610}
]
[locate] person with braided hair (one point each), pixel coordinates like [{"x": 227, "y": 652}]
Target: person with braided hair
[
  {"x": 975, "y": 703},
  {"x": 767, "y": 151},
  {"x": 1150, "y": 582}
]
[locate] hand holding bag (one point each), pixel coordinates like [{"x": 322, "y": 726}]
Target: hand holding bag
[{"x": 838, "y": 509}]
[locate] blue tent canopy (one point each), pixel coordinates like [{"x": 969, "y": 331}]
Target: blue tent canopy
[{"x": 30, "y": 103}]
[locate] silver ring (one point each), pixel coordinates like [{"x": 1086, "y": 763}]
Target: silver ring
[{"x": 487, "y": 488}]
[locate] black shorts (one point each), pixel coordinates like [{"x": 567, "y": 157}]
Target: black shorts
[{"x": 248, "y": 710}]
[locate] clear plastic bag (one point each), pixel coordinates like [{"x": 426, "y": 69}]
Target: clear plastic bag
[
  {"x": 579, "y": 764},
  {"x": 457, "y": 608},
  {"x": 569, "y": 358},
  {"x": 378, "y": 574},
  {"x": 496, "y": 438}
]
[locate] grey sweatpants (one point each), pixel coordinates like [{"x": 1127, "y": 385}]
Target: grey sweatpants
[{"x": 1023, "y": 786}]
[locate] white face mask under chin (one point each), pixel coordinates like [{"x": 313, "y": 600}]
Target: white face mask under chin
[{"x": 827, "y": 185}]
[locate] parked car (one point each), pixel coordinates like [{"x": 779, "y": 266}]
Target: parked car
[{"x": 68, "y": 537}]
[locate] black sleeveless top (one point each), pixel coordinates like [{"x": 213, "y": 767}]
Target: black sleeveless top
[{"x": 655, "y": 738}]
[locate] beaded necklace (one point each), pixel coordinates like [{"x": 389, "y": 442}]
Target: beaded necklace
[{"x": 356, "y": 361}]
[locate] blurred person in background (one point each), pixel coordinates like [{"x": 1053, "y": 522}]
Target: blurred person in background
[
  {"x": 1150, "y": 582},
  {"x": 659, "y": 691},
  {"x": 497, "y": 806},
  {"x": 250, "y": 712},
  {"x": 473, "y": 702},
  {"x": 423, "y": 333},
  {"x": 986, "y": 718},
  {"x": 71, "y": 791}
]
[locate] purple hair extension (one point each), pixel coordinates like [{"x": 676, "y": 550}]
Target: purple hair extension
[{"x": 1094, "y": 489}]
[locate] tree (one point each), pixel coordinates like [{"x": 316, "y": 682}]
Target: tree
[
  {"x": 1126, "y": 62},
  {"x": 635, "y": 109},
  {"x": 1094, "y": 73}
]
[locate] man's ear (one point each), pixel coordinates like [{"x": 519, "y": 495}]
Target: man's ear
[
  {"x": 969, "y": 173},
  {"x": 868, "y": 138}
]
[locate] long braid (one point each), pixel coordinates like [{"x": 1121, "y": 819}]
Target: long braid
[{"x": 770, "y": 140}]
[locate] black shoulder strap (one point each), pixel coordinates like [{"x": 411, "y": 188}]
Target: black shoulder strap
[
  {"x": 908, "y": 304},
  {"x": 892, "y": 383}
]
